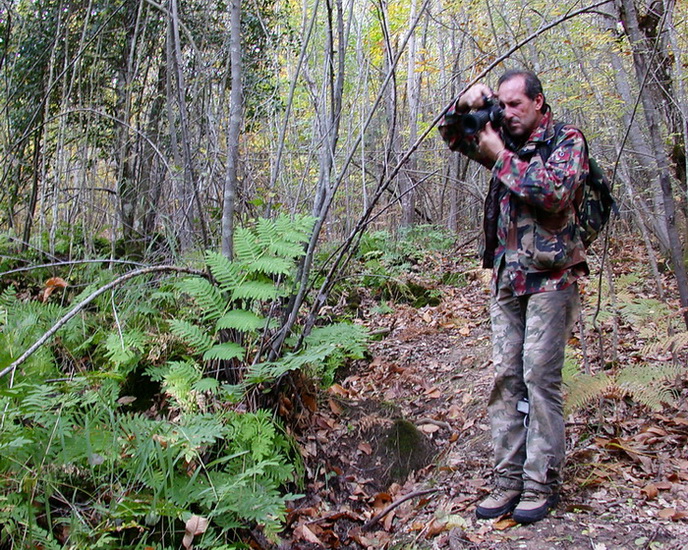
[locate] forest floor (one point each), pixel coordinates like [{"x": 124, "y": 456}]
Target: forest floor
[{"x": 375, "y": 482}]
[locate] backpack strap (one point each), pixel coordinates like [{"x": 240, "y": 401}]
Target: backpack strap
[{"x": 544, "y": 149}]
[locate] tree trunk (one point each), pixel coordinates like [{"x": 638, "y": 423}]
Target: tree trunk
[
  {"x": 642, "y": 60},
  {"x": 236, "y": 100}
]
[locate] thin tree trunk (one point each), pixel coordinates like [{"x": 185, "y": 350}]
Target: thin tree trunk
[
  {"x": 236, "y": 100},
  {"x": 643, "y": 59}
]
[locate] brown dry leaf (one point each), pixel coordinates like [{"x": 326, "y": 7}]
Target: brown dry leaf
[
  {"x": 302, "y": 532},
  {"x": 387, "y": 522},
  {"x": 335, "y": 407},
  {"x": 435, "y": 527},
  {"x": 365, "y": 448},
  {"x": 126, "y": 400},
  {"x": 503, "y": 524},
  {"x": 337, "y": 389},
  {"x": 672, "y": 514},
  {"x": 381, "y": 500},
  {"x": 195, "y": 525},
  {"x": 310, "y": 402},
  {"x": 433, "y": 393},
  {"x": 455, "y": 412},
  {"x": 51, "y": 285},
  {"x": 651, "y": 491}
]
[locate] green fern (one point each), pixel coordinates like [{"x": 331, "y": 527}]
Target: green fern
[
  {"x": 242, "y": 320},
  {"x": 196, "y": 337},
  {"x": 226, "y": 273},
  {"x": 325, "y": 350},
  {"x": 226, "y": 351},
  {"x": 262, "y": 290},
  {"x": 125, "y": 349},
  {"x": 648, "y": 385},
  {"x": 207, "y": 296}
]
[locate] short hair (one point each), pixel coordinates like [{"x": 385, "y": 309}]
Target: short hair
[{"x": 533, "y": 86}]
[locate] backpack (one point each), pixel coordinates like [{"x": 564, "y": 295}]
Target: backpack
[{"x": 597, "y": 203}]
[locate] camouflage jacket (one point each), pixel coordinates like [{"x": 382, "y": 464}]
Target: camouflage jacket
[{"x": 530, "y": 220}]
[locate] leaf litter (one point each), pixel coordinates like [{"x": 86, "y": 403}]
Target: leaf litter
[{"x": 625, "y": 479}]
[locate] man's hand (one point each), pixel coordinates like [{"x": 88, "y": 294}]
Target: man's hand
[
  {"x": 473, "y": 98},
  {"x": 490, "y": 143}
]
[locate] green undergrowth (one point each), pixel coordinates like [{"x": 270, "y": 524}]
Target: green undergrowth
[
  {"x": 143, "y": 418},
  {"x": 391, "y": 267}
]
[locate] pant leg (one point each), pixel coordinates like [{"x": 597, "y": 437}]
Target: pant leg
[
  {"x": 549, "y": 318},
  {"x": 508, "y": 313}
]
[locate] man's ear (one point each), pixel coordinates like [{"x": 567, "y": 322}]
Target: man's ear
[{"x": 539, "y": 102}]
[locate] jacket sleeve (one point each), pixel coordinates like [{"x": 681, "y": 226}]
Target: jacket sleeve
[
  {"x": 550, "y": 186},
  {"x": 452, "y": 132}
]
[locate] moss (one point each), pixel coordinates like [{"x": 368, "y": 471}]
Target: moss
[{"x": 406, "y": 449}]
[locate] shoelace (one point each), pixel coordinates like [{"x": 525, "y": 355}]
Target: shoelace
[{"x": 530, "y": 496}]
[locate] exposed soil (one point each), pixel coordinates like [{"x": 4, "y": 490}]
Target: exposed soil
[{"x": 626, "y": 476}]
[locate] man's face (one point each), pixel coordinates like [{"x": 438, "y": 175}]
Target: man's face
[{"x": 521, "y": 114}]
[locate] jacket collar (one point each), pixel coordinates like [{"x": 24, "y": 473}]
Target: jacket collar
[{"x": 541, "y": 134}]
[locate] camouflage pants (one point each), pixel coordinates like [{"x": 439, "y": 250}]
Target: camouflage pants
[{"x": 529, "y": 335}]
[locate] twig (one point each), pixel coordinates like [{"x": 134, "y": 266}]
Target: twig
[
  {"x": 77, "y": 308},
  {"x": 371, "y": 522}
]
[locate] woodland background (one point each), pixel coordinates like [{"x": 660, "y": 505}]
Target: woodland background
[{"x": 195, "y": 195}]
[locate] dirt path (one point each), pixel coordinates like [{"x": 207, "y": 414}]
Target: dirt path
[{"x": 626, "y": 478}]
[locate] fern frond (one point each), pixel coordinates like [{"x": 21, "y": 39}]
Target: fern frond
[
  {"x": 123, "y": 348},
  {"x": 179, "y": 381},
  {"x": 674, "y": 343},
  {"x": 584, "y": 388},
  {"x": 224, "y": 352},
  {"x": 295, "y": 230},
  {"x": 8, "y": 297},
  {"x": 247, "y": 248},
  {"x": 194, "y": 336},
  {"x": 241, "y": 319},
  {"x": 207, "y": 297},
  {"x": 352, "y": 339},
  {"x": 263, "y": 372},
  {"x": 211, "y": 385},
  {"x": 226, "y": 273},
  {"x": 271, "y": 265},
  {"x": 256, "y": 290},
  {"x": 266, "y": 231},
  {"x": 649, "y": 384}
]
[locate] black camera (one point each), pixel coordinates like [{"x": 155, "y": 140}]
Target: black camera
[{"x": 475, "y": 121}]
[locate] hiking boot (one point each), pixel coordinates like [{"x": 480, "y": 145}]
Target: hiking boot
[
  {"x": 534, "y": 506},
  {"x": 499, "y": 502}
]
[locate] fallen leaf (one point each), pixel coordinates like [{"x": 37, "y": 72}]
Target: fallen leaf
[
  {"x": 503, "y": 524},
  {"x": 335, "y": 407},
  {"x": 304, "y": 533},
  {"x": 365, "y": 448},
  {"x": 433, "y": 393},
  {"x": 381, "y": 500},
  {"x": 435, "y": 528},
  {"x": 337, "y": 389},
  {"x": 51, "y": 285},
  {"x": 650, "y": 490},
  {"x": 126, "y": 400},
  {"x": 195, "y": 525}
]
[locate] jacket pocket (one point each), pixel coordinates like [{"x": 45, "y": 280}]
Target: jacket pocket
[{"x": 552, "y": 242}]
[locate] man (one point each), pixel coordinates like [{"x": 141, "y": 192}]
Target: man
[{"x": 533, "y": 244}]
